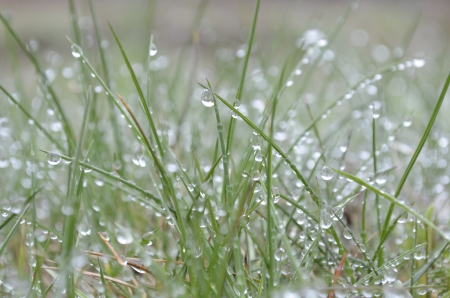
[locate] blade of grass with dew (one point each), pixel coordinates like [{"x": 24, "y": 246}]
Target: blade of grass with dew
[
  {"x": 110, "y": 95},
  {"x": 392, "y": 199},
  {"x": 344, "y": 96},
  {"x": 17, "y": 223},
  {"x": 424, "y": 268},
  {"x": 35, "y": 121},
  {"x": 226, "y": 177},
  {"x": 72, "y": 203},
  {"x": 141, "y": 95},
  {"x": 415, "y": 156},
  {"x": 399, "y": 258},
  {"x": 166, "y": 182},
  {"x": 243, "y": 73},
  {"x": 278, "y": 149},
  {"x": 106, "y": 75},
  {"x": 54, "y": 97}
]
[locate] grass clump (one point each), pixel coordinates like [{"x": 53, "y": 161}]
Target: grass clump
[{"x": 150, "y": 183}]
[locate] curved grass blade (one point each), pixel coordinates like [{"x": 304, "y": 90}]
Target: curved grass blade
[
  {"x": 416, "y": 153},
  {"x": 47, "y": 84},
  {"x": 109, "y": 175},
  {"x": 35, "y": 121},
  {"x": 424, "y": 268},
  {"x": 141, "y": 95},
  {"x": 393, "y": 200}
]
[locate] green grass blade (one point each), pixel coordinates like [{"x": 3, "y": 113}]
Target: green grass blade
[
  {"x": 54, "y": 97},
  {"x": 141, "y": 95},
  {"x": 393, "y": 200}
]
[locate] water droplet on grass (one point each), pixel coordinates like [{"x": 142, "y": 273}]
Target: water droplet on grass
[
  {"x": 418, "y": 63},
  {"x": 347, "y": 234},
  {"x": 256, "y": 175},
  {"x": 407, "y": 122},
  {"x": 403, "y": 218},
  {"x": 325, "y": 219},
  {"x": 53, "y": 159},
  {"x": 327, "y": 173},
  {"x": 207, "y": 98},
  {"x": 153, "y": 50},
  {"x": 275, "y": 195},
  {"x": 76, "y": 51},
  {"x": 124, "y": 236},
  {"x": 147, "y": 238},
  {"x": 280, "y": 254}
]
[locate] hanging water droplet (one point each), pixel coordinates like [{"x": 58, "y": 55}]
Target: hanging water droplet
[
  {"x": 258, "y": 156},
  {"x": 418, "y": 63},
  {"x": 390, "y": 274},
  {"x": 207, "y": 98},
  {"x": 408, "y": 121},
  {"x": 347, "y": 233},
  {"x": 403, "y": 218},
  {"x": 280, "y": 254},
  {"x": 244, "y": 221},
  {"x": 381, "y": 178},
  {"x": 256, "y": 142},
  {"x": 446, "y": 231},
  {"x": 153, "y": 50},
  {"x": 376, "y": 107},
  {"x": 124, "y": 236},
  {"x": 327, "y": 173},
  {"x": 421, "y": 290},
  {"x": 258, "y": 187},
  {"x": 420, "y": 253},
  {"x": 236, "y": 105},
  {"x": 147, "y": 238},
  {"x": 105, "y": 235},
  {"x": 343, "y": 148},
  {"x": 275, "y": 194},
  {"x": 53, "y": 159},
  {"x": 325, "y": 219},
  {"x": 76, "y": 51},
  {"x": 256, "y": 175},
  {"x": 362, "y": 247}
]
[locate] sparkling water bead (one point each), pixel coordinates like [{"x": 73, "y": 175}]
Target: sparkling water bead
[
  {"x": 276, "y": 194},
  {"x": 76, "y": 51},
  {"x": 207, "y": 98},
  {"x": 327, "y": 173},
  {"x": 53, "y": 159},
  {"x": 153, "y": 50}
]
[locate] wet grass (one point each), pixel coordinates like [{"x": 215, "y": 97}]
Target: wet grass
[{"x": 304, "y": 178}]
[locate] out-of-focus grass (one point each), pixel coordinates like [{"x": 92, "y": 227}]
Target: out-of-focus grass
[{"x": 224, "y": 149}]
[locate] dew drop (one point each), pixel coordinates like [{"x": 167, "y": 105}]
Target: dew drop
[
  {"x": 280, "y": 254},
  {"x": 325, "y": 219},
  {"x": 421, "y": 290},
  {"x": 256, "y": 175},
  {"x": 147, "y": 238},
  {"x": 376, "y": 107},
  {"x": 407, "y": 122},
  {"x": 327, "y": 173},
  {"x": 275, "y": 194},
  {"x": 207, "y": 98},
  {"x": 418, "y": 63},
  {"x": 403, "y": 218},
  {"x": 244, "y": 221},
  {"x": 362, "y": 247},
  {"x": 76, "y": 51},
  {"x": 347, "y": 234},
  {"x": 236, "y": 105},
  {"x": 153, "y": 50},
  {"x": 124, "y": 236},
  {"x": 53, "y": 159},
  {"x": 381, "y": 179}
]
